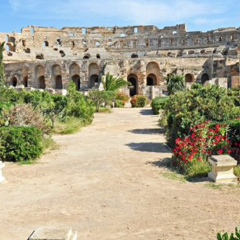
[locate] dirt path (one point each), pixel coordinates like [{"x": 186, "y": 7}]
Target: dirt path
[{"x": 101, "y": 183}]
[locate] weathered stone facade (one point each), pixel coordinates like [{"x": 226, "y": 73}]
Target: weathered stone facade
[{"x": 48, "y": 58}]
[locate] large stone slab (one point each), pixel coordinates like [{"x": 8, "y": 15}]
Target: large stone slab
[
  {"x": 222, "y": 169},
  {"x": 53, "y": 234}
]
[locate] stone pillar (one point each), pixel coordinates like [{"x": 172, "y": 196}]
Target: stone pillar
[
  {"x": 2, "y": 165},
  {"x": 222, "y": 169}
]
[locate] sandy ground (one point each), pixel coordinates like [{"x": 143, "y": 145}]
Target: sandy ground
[{"x": 104, "y": 182}]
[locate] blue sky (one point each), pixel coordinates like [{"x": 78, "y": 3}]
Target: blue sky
[{"x": 199, "y": 15}]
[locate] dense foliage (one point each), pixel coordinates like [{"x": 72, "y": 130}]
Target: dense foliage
[
  {"x": 111, "y": 83},
  {"x": 121, "y": 99},
  {"x": 19, "y": 144},
  {"x": 184, "y": 110},
  {"x": 175, "y": 83},
  {"x": 159, "y": 103}
]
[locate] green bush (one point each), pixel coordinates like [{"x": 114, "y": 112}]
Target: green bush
[
  {"x": 119, "y": 103},
  {"x": 159, "y": 103},
  {"x": 20, "y": 144},
  {"x": 187, "y": 109},
  {"x": 139, "y": 101}
]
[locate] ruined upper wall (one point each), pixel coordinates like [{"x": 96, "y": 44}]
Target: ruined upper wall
[{"x": 71, "y": 42}]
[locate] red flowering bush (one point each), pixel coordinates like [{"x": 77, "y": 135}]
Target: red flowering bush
[{"x": 204, "y": 140}]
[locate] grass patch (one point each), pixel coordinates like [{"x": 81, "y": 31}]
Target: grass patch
[
  {"x": 49, "y": 144},
  {"x": 214, "y": 186},
  {"x": 197, "y": 169},
  {"x": 105, "y": 110},
  {"x": 174, "y": 176},
  {"x": 72, "y": 125},
  {"x": 237, "y": 171}
]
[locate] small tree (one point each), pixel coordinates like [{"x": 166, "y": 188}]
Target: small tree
[
  {"x": 112, "y": 83},
  {"x": 2, "y": 74},
  {"x": 175, "y": 83}
]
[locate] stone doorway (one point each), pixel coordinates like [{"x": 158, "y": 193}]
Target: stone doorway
[
  {"x": 93, "y": 80},
  {"x": 76, "y": 80},
  {"x": 132, "y": 78},
  {"x": 151, "y": 80}
]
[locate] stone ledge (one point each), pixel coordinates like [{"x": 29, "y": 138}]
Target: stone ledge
[{"x": 53, "y": 234}]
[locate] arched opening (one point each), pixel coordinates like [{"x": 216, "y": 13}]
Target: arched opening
[
  {"x": 62, "y": 53},
  {"x": 41, "y": 82},
  {"x": 14, "y": 81},
  {"x": 153, "y": 73},
  {"x": 204, "y": 78},
  {"x": 93, "y": 80},
  {"x": 132, "y": 78},
  {"x": 189, "y": 78},
  {"x": 134, "y": 55},
  {"x": 25, "y": 81},
  {"x": 151, "y": 80},
  {"x": 76, "y": 80},
  {"x": 74, "y": 69},
  {"x": 46, "y": 44},
  {"x": 87, "y": 56},
  {"x": 98, "y": 56},
  {"x": 58, "y": 82}
]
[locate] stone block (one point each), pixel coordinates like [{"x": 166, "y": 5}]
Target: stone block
[
  {"x": 2, "y": 165},
  {"x": 53, "y": 234},
  {"x": 222, "y": 169}
]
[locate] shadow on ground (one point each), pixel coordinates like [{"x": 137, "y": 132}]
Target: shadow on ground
[
  {"x": 149, "y": 147},
  {"x": 148, "y": 131},
  {"x": 146, "y": 112}
]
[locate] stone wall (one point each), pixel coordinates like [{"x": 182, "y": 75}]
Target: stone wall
[{"x": 50, "y": 58}]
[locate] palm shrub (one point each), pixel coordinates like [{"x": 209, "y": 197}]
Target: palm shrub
[
  {"x": 175, "y": 83},
  {"x": 111, "y": 83}
]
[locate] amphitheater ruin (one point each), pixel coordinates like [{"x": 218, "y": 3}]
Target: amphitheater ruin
[{"x": 49, "y": 58}]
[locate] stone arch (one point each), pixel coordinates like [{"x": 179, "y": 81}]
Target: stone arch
[
  {"x": 133, "y": 79},
  {"x": 189, "y": 78},
  {"x": 94, "y": 72},
  {"x": 74, "y": 69},
  {"x": 151, "y": 80},
  {"x": 98, "y": 56},
  {"x": 86, "y": 56},
  {"x": 76, "y": 80},
  {"x": 14, "y": 81},
  {"x": 11, "y": 47},
  {"x": 41, "y": 82},
  {"x": 39, "y": 73},
  {"x": 153, "y": 69},
  {"x": 56, "y": 75},
  {"x": 204, "y": 78},
  {"x": 25, "y": 73}
]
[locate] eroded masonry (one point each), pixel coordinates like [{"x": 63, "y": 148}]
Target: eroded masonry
[{"x": 49, "y": 58}]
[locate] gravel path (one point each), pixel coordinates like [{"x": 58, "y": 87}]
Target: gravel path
[{"x": 106, "y": 183}]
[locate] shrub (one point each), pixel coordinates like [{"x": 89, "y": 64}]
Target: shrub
[
  {"x": 191, "y": 153},
  {"x": 175, "y": 83},
  {"x": 26, "y": 116},
  {"x": 101, "y": 98},
  {"x": 139, "y": 101},
  {"x": 19, "y": 144},
  {"x": 229, "y": 236},
  {"x": 159, "y": 103},
  {"x": 119, "y": 103},
  {"x": 123, "y": 97},
  {"x": 187, "y": 109}
]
